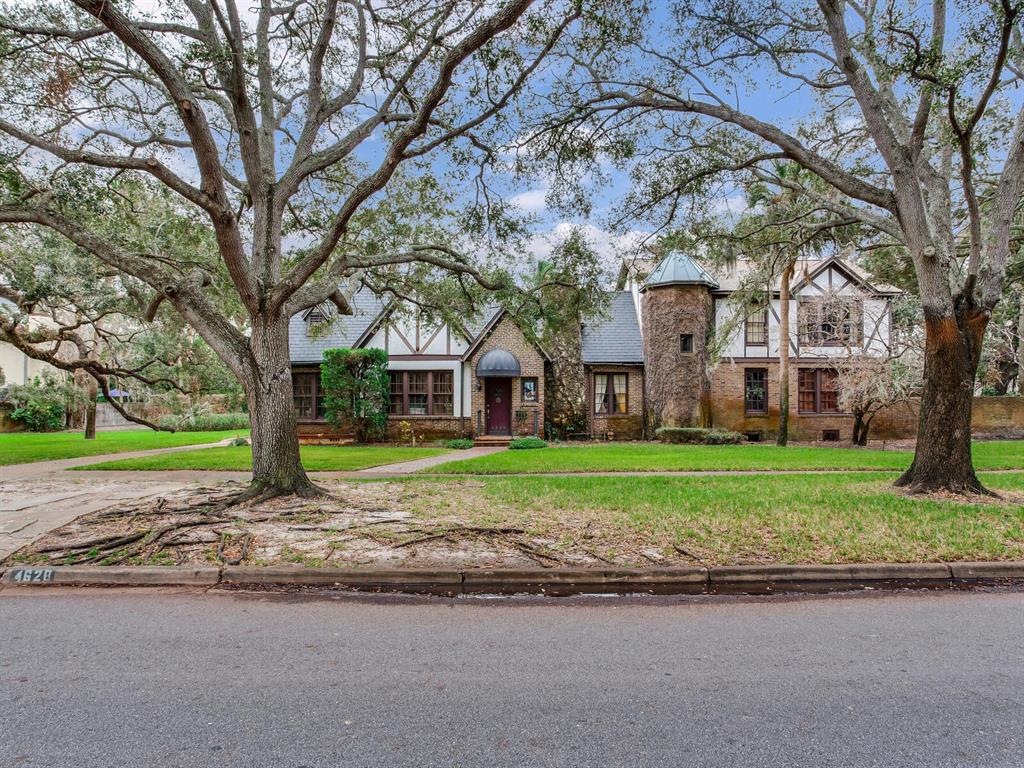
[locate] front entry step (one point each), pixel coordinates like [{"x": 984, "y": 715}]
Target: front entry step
[{"x": 493, "y": 439}]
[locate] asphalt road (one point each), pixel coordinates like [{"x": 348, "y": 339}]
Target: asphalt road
[{"x": 117, "y": 678}]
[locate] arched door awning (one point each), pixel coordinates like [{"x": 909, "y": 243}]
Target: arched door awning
[{"x": 498, "y": 362}]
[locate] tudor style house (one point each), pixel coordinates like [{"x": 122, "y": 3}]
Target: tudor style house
[
  {"x": 484, "y": 379},
  {"x": 672, "y": 348}
]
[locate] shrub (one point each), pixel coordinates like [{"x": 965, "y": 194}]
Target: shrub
[
  {"x": 724, "y": 437},
  {"x": 40, "y": 416},
  {"x": 206, "y": 422},
  {"x": 525, "y": 443},
  {"x": 459, "y": 444},
  {"x": 357, "y": 390},
  {"x": 682, "y": 434},
  {"x": 698, "y": 436}
]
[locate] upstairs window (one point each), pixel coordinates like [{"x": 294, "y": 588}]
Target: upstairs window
[
  {"x": 756, "y": 332},
  {"x": 831, "y": 322},
  {"x": 686, "y": 343},
  {"x": 315, "y": 321}
]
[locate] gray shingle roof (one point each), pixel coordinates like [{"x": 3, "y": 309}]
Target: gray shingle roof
[
  {"x": 344, "y": 331},
  {"x": 679, "y": 269},
  {"x": 615, "y": 338}
]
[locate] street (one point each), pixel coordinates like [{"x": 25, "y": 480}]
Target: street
[{"x": 144, "y": 678}]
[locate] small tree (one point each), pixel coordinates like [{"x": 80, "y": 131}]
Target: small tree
[{"x": 356, "y": 390}]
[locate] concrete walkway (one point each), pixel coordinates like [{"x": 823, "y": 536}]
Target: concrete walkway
[
  {"x": 409, "y": 467},
  {"x": 40, "y": 496}
]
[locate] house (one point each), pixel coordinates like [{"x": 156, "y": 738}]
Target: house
[
  {"x": 672, "y": 348},
  {"x": 484, "y": 379}
]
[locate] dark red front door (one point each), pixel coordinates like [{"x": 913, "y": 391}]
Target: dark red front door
[{"x": 498, "y": 397}]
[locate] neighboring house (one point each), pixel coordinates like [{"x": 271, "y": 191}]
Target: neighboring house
[
  {"x": 484, "y": 380},
  {"x": 670, "y": 349},
  {"x": 19, "y": 368}
]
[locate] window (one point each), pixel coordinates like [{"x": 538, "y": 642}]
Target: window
[
  {"x": 315, "y": 321},
  {"x": 422, "y": 393},
  {"x": 831, "y": 322},
  {"x": 441, "y": 388},
  {"x": 757, "y": 329},
  {"x": 529, "y": 389},
  {"x": 755, "y": 390},
  {"x": 417, "y": 393},
  {"x": 611, "y": 393},
  {"x": 818, "y": 390},
  {"x": 686, "y": 343},
  {"x": 308, "y": 397}
]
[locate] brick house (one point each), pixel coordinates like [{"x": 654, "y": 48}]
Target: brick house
[
  {"x": 482, "y": 380},
  {"x": 672, "y": 348}
]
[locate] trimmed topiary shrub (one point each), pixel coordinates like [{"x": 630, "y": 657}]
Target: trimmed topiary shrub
[
  {"x": 459, "y": 444},
  {"x": 525, "y": 443},
  {"x": 698, "y": 436},
  {"x": 682, "y": 434},
  {"x": 205, "y": 422},
  {"x": 724, "y": 437}
]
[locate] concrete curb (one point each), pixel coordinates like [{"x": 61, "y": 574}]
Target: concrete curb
[{"x": 741, "y": 579}]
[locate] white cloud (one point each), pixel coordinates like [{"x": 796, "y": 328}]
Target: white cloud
[
  {"x": 611, "y": 248},
  {"x": 531, "y": 201}
]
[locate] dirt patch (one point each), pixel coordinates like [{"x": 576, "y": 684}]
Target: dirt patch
[{"x": 360, "y": 525}]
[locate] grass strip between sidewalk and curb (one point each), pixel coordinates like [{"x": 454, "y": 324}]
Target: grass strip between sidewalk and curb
[{"x": 554, "y": 582}]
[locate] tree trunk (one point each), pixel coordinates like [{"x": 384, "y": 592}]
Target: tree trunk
[
  {"x": 90, "y": 409},
  {"x": 566, "y": 411},
  {"x": 942, "y": 457},
  {"x": 1020, "y": 341},
  {"x": 276, "y": 466},
  {"x": 861, "y": 428},
  {"x": 787, "y": 276}
]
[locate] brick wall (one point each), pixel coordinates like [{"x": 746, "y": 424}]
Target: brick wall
[
  {"x": 506, "y": 335},
  {"x": 677, "y": 383},
  {"x": 627, "y": 426}
]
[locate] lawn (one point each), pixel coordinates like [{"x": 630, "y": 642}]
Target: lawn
[
  {"x": 840, "y": 518},
  {"x": 23, "y": 447},
  {"x": 641, "y": 457},
  {"x": 315, "y": 458}
]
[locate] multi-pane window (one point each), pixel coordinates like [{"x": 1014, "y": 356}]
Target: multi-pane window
[
  {"x": 442, "y": 392},
  {"x": 755, "y": 390},
  {"x": 611, "y": 393},
  {"x": 757, "y": 329},
  {"x": 831, "y": 322},
  {"x": 529, "y": 392},
  {"x": 422, "y": 393},
  {"x": 308, "y": 397},
  {"x": 817, "y": 390}
]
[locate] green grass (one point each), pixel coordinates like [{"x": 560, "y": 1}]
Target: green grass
[
  {"x": 641, "y": 457},
  {"x": 315, "y": 458},
  {"x": 23, "y": 447},
  {"x": 840, "y": 518}
]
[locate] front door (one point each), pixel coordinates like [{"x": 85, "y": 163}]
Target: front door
[{"x": 498, "y": 399}]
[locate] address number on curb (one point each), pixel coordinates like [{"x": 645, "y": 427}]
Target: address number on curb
[{"x": 33, "y": 576}]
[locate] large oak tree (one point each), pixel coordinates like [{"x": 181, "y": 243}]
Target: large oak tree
[
  {"x": 910, "y": 113},
  {"x": 279, "y": 123}
]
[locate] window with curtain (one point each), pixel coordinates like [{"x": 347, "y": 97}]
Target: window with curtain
[
  {"x": 422, "y": 393},
  {"x": 416, "y": 387},
  {"x": 611, "y": 393},
  {"x": 818, "y": 390}
]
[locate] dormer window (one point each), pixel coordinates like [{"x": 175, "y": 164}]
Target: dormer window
[{"x": 831, "y": 322}]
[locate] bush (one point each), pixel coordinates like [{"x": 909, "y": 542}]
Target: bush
[
  {"x": 459, "y": 444},
  {"x": 682, "y": 434},
  {"x": 724, "y": 437},
  {"x": 357, "y": 391},
  {"x": 40, "y": 416},
  {"x": 698, "y": 436},
  {"x": 206, "y": 422},
  {"x": 525, "y": 443}
]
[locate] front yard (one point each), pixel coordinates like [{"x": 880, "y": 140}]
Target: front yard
[
  {"x": 557, "y": 522},
  {"x": 315, "y": 458},
  {"x": 655, "y": 457},
  {"x": 23, "y": 447}
]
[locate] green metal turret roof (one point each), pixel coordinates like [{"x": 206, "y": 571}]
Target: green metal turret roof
[{"x": 678, "y": 269}]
